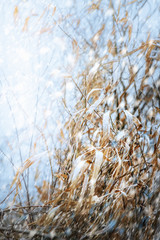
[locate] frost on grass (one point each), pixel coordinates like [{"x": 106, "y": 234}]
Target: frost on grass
[
  {"x": 101, "y": 157},
  {"x": 96, "y": 168},
  {"x": 96, "y": 103},
  {"x": 106, "y": 123}
]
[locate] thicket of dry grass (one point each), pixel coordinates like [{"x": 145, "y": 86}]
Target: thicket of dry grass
[{"x": 108, "y": 182}]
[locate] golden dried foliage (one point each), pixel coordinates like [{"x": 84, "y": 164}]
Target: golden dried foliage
[
  {"x": 109, "y": 154},
  {"x": 25, "y": 27},
  {"x": 15, "y": 14}
]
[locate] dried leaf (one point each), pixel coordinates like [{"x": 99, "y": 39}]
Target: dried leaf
[
  {"x": 98, "y": 34},
  {"x": 123, "y": 20},
  {"x": 25, "y": 27},
  {"x": 130, "y": 31},
  {"x": 111, "y": 47},
  {"x": 44, "y": 30},
  {"x": 132, "y": 2},
  {"x": 15, "y": 179},
  {"x": 37, "y": 174},
  {"x": 15, "y": 14},
  {"x": 75, "y": 48},
  {"x": 54, "y": 10},
  {"x": 93, "y": 90}
]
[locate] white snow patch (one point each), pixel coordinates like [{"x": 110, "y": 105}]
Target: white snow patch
[
  {"x": 94, "y": 69},
  {"x": 95, "y": 105},
  {"x": 121, "y": 134},
  {"x": 97, "y": 165},
  {"x": 106, "y": 122}
]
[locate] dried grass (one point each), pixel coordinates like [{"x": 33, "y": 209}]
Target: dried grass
[{"x": 107, "y": 185}]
